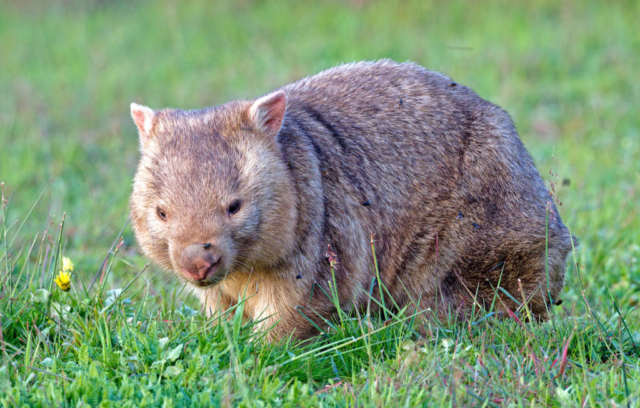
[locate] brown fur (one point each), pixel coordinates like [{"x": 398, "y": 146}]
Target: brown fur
[{"x": 438, "y": 174}]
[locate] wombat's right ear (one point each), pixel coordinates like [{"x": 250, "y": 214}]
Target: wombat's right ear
[{"x": 143, "y": 118}]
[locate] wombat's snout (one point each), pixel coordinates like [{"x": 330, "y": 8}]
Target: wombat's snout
[{"x": 200, "y": 261}]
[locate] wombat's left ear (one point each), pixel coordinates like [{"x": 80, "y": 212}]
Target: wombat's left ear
[
  {"x": 143, "y": 118},
  {"x": 267, "y": 113}
]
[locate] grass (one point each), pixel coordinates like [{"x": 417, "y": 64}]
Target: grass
[{"x": 68, "y": 71}]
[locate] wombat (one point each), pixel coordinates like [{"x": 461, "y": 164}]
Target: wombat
[{"x": 281, "y": 201}]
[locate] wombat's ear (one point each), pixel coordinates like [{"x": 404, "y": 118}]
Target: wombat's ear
[
  {"x": 267, "y": 113},
  {"x": 143, "y": 118}
]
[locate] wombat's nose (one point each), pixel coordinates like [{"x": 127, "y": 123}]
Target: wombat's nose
[{"x": 200, "y": 260}]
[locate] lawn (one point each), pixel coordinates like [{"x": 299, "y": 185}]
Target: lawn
[{"x": 127, "y": 334}]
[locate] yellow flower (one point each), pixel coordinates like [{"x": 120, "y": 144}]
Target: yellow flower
[
  {"x": 67, "y": 265},
  {"x": 63, "y": 280}
]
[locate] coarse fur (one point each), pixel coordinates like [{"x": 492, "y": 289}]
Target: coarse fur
[{"x": 437, "y": 175}]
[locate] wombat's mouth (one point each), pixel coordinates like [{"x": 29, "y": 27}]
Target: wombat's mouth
[
  {"x": 204, "y": 284},
  {"x": 209, "y": 281}
]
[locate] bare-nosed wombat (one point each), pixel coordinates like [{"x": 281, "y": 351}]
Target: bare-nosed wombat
[{"x": 248, "y": 199}]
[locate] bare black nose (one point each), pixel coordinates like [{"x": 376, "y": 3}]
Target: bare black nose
[{"x": 200, "y": 260}]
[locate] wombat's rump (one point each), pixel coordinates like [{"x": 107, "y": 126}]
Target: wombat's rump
[{"x": 244, "y": 200}]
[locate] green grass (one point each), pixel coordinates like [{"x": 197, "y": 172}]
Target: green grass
[{"x": 567, "y": 72}]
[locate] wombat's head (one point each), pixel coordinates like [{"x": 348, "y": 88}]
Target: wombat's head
[{"x": 212, "y": 194}]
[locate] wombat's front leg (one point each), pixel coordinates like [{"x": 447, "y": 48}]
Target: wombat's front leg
[{"x": 273, "y": 303}]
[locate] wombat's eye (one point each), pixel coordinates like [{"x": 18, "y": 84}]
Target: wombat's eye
[
  {"x": 161, "y": 214},
  {"x": 234, "y": 207}
]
